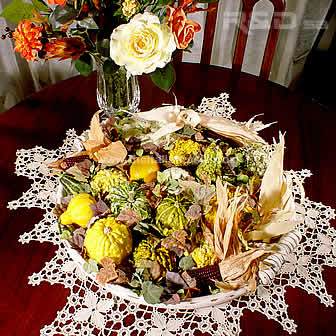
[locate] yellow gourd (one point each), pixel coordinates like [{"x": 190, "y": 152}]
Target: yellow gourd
[
  {"x": 144, "y": 167},
  {"x": 79, "y": 211},
  {"x": 108, "y": 238}
]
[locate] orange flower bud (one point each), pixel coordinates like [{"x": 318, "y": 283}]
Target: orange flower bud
[{"x": 64, "y": 48}]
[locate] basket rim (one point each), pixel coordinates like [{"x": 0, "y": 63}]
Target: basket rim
[{"x": 197, "y": 302}]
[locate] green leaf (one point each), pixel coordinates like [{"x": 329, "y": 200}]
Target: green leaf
[
  {"x": 88, "y": 23},
  {"x": 84, "y": 64},
  {"x": 161, "y": 177},
  {"x": 242, "y": 178},
  {"x": 62, "y": 15},
  {"x": 17, "y": 10},
  {"x": 66, "y": 235},
  {"x": 118, "y": 12},
  {"x": 186, "y": 263},
  {"x": 151, "y": 292},
  {"x": 165, "y": 2},
  {"x": 164, "y": 78},
  {"x": 91, "y": 266},
  {"x": 40, "y": 5}
]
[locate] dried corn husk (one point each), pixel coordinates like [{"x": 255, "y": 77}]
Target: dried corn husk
[
  {"x": 226, "y": 221},
  {"x": 176, "y": 117},
  {"x": 240, "y": 270},
  {"x": 220, "y": 220},
  {"x": 240, "y": 133},
  {"x": 276, "y": 202}
]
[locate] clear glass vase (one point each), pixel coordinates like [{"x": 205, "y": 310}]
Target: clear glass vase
[{"x": 116, "y": 89}]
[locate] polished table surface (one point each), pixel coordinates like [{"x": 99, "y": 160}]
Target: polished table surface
[{"x": 43, "y": 118}]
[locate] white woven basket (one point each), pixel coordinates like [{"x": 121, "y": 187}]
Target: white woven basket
[{"x": 271, "y": 267}]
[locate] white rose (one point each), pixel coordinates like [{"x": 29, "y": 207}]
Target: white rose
[{"x": 142, "y": 45}]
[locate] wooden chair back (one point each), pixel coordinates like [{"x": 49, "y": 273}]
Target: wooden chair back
[{"x": 244, "y": 26}]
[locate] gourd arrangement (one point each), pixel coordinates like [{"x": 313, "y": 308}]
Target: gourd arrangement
[{"x": 166, "y": 216}]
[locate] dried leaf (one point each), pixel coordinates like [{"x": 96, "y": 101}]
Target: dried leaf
[
  {"x": 194, "y": 212},
  {"x": 80, "y": 170},
  {"x": 175, "y": 299},
  {"x": 96, "y": 137},
  {"x": 187, "y": 263},
  {"x": 112, "y": 154},
  {"x": 150, "y": 147},
  {"x": 176, "y": 279},
  {"x": 76, "y": 173},
  {"x": 100, "y": 208},
  {"x": 199, "y": 136},
  {"x": 129, "y": 217},
  {"x": 93, "y": 146},
  {"x": 101, "y": 148},
  {"x": 202, "y": 194},
  {"x": 191, "y": 282},
  {"x": 78, "y": 237},
  {"x": 122, "y": 278},
  {"x": 176, "y": 242},
  {"x": 96, "y": 131},
  {"x": 151, "y": 292},
  {"x": 155, "y": 270},
  {"x": 108, "y": 272}
]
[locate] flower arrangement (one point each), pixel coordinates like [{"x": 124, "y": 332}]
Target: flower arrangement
[
  {"x": 139, "y": 35},
  {"x": 174, "y": 204}
]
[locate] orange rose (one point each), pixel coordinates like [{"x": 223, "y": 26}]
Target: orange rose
[
  {"x": 183, "y": 29},
  {"x": 57, "y": 2}
]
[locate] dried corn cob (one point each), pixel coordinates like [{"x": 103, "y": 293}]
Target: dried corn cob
[
  {"x": 206, "y": 274},
  {"x": 66, "y": 163}
]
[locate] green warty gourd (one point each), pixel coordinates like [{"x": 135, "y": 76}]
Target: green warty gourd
[
  {"x": 211, "y": 166},
  {"x": 129, "y": 196},
  {"x": 170, "y": 215}
]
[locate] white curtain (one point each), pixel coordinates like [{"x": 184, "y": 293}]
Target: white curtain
[
  {"x": 303, "y": 22},
  {"x": 19, "y": 78}
]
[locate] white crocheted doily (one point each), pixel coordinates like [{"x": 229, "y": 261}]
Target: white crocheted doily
[{"x": 93, "y": 310}]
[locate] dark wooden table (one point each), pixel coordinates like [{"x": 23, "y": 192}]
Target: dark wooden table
[{"x": 43, "y": 118}]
